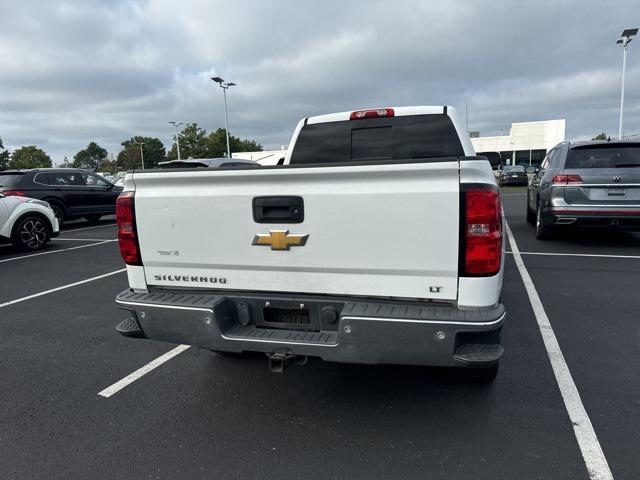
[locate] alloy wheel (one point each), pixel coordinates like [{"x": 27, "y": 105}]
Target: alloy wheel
[{"x": 33, "y": 234}]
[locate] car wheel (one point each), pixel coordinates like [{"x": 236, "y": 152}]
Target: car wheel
[
  {"x": 58, "y": 212},
  {"x": 544, "y": 231},
  {"x": 93, "y": 218},
  {"x": 32, "y": 233},
  {"x": 483, "y": 375},
  {"x": 531, "y": 216}
]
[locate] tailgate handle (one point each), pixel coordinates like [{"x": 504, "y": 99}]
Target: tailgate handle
[{"x": 280, "y": 209}]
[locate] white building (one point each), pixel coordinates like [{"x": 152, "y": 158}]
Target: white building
[{"x": 527, "y": 142}]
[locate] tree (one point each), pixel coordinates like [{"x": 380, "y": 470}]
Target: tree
[
  {"x": 153, "y": 152},
  {"x": 4, "y": 157},
  {"x": 600, "y": 136},
  {"x": 217, "y": 144},
  {"x": 193, "y": 143},
  {"x": 91, "y": 157},
  {"x": 29, "y": 157}
]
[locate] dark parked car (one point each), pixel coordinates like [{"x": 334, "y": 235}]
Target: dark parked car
[
  {"x": 513, "y": 175},
  {"x": 586, "y": 183},
  {"x": 72, "y": 193}
]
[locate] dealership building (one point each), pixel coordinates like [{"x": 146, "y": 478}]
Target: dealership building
[{"x": 526, "y": 144}]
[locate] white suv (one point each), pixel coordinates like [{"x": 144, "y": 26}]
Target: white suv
[{"x": 26, "y": 222}]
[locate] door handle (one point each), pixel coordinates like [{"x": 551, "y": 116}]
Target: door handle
[{"x": 278, "y": 209}]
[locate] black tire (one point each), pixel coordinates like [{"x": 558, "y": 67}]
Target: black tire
[
  {"x": 482, "y": 375},
  {"x": 31, "y": 233},
  {"x": 544, "y": 231},
  {"x": 531, "y": 216},
  {"x": 59, "y": 213},
  {"x": 93, "y": 218}
]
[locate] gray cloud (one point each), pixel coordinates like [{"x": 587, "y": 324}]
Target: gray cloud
[{"x": 74, "y": 72}]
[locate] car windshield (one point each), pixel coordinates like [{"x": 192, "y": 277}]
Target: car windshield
[
  {"x": 604, "y": 156},
  {"x": 514, "y": 169}
]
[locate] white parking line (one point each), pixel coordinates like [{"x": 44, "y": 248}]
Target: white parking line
[
  {"x": 87, "y": 228},
  {"x": 132, "y": 377},
  {"x": 552, "y": 254},
  {"x": 63, "y": 287},
  {"x": 56, "y": 251},
  {"x": 58, "y": 239},
  {"x": 594, "y": 458}
]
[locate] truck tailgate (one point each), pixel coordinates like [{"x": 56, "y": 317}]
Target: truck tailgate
[{"x": 373, "y": 230}]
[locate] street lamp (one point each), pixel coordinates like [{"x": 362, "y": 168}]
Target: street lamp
[
  {"x": 624, "y": 39},
  {"x": 176, "y": 125},
  {"x": 140, "y": 144},
  {"x": 225, "y": 86}
]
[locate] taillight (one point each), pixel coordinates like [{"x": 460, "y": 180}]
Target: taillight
[
  {"x": 14, "y": 193},
  {"x": 373, "y": 113},
  {"x": 127, "y": 234},
  {"x": 566, "y": 179},
  {"x": 481, "y": 240}
]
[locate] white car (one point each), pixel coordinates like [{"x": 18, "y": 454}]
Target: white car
[{"x": 26, "y": 222}]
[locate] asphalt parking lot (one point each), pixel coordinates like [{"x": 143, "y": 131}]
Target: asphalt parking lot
[{"x": 201, "y": 415}]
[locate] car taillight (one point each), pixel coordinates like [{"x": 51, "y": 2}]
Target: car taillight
[
  {"x": 373, "y": 113},
  {"x": 127, "y": 233},
  {"x": 481, "y": 231},
  {"x": 14, "y": 193},
  {"x": 565, "y": 179}
]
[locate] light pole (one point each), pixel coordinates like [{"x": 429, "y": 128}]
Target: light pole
[
  {"x": 225, "y": 86},
  {"x": 140, "y": 144},
  {"x": 176, "y": 125},
  {"x": 624, "y": 39}
]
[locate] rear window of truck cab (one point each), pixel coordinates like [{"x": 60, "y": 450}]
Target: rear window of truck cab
[{"x": 378, "y": 139}]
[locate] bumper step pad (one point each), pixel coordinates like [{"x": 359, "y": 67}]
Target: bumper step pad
[
  {"x": 240, "y": 332},
  {"x": 478, "y": 354},
  {"x": 130, "y": 328}
]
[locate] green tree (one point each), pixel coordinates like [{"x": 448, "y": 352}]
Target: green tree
[
  {"x": 129, "y": 158},
  {"x": 4, "y": 157},
  {"x": 600, "y": 136},
  {"x": 29, "y": 157},
  {"x": 193, "y": 143},
  {"x": 217, "y": 144},
  {"x": 91, "y": 157}
]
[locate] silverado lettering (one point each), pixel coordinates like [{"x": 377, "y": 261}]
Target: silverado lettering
[{"x": 189, "y": 278}]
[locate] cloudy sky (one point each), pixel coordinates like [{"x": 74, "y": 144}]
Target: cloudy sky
[{"x": 80, "y": 71}]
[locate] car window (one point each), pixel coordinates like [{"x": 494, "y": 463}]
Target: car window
[
  {"x": 548, "y": 159},
  {"x": 513, "y": 168},
  {"x": 402, "y": 137},
  {"x": 604, "y": 156},
  {"x": 9, "y": 179},
  {"x": 69, "y": 179},
  {"x": 94, "y": 180}
]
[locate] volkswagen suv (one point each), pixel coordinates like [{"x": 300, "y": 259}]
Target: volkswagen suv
[{"x": 587, "y": 184}]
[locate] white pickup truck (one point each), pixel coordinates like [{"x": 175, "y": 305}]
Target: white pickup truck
[{"x": 379, "y": 241}]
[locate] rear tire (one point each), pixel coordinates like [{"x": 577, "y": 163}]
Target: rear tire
[
  {"x": 31, "y": 233},
  {"x": 544, "y": 231},
  {"x": 531, "y": 216},
  {"x": 483, "y": 375},
  {"x": 93, "y": 218},
  {"x": 59, "y": 213}
]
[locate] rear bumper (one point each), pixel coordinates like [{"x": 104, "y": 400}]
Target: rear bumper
[
  {"x": 514, "y": 181},
  {"x": 595, "y": 216},
  {"x": 368, "y": 332}
]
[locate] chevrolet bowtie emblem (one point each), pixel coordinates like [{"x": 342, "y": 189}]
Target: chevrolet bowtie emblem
[{"x": 280, "y": 239}]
